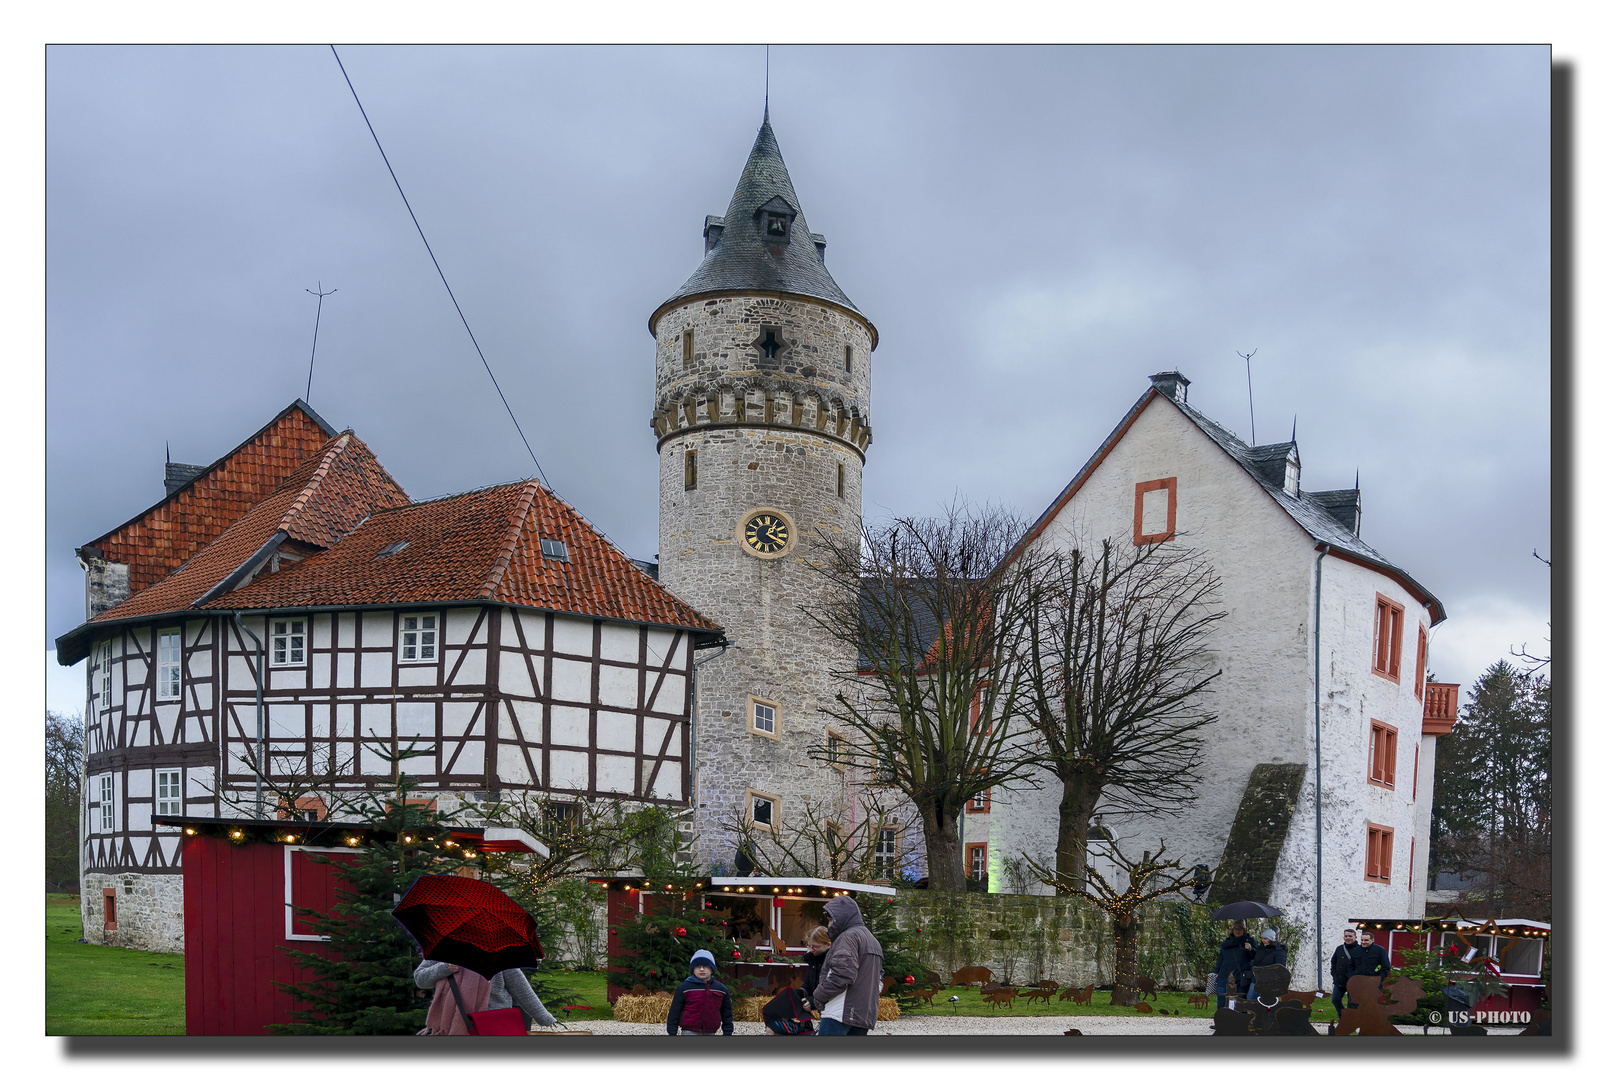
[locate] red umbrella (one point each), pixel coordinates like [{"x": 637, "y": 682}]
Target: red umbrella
[{"x": 469, "y": 923}]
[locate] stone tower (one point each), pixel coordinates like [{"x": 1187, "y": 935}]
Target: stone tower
[{"x": 762, "y": 403}]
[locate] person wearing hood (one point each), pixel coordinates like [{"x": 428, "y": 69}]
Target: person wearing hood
[
  {"x": 1236, "y": 958},
  {"x": 701, "y": 1004},
  {"x": 1270, "y": 951},
  {"x": 851, "y": 978}
]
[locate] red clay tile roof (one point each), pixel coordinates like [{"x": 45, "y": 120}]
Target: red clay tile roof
[
  {"x": 326, "y": 498},
  {"x": 483, "y": 545},
  {"x": 167, "y": 535}
]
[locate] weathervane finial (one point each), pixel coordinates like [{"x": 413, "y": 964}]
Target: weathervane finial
[{"x": 767, "y": 84}]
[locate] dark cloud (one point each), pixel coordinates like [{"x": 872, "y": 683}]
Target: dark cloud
[{"x": 1033, "y": 230}]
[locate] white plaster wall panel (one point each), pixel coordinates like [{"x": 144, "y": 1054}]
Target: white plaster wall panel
[
  {"x": 618, "y": 687},
  {"x": 422, "y": 764},
  {"x": 285, "y": 720},
  {"x": 654, "y": 731},
  {"x": 660, "y": 647},
  {"x": 238, "y": 671},
  {"x": 415, "y": 718},
  {"x": 239, "y": 758},
  {"x": 376, "y": 669},
  {"x": 140, "y": 783},
  {"x": 573, "y": 636},
  {"x": 473, "y": 669},
  {"x": 345, "y": 718},
  {"x": 322, "y": 631},
  {"x": 169, "y": 848},
  {"x": 287, "y": 678},
  {"x": 199, "y": 663},
  {"x": 377, "y": 629},
  {"x": 346, "y": 669},
  {"x": 615, "y": 774},
  {"x": 469, "y": 760},
  {"x": 457, "y": 716},
  {"x": 139, "y": 734},
  {"x": 320, "y": 715},
  {"x": 568, "y": 769},
  {"x": 512, "y": 766},
  {"x": 568, "y": 726},
  {"x": 668, "y": 783},
  {"x": 457, "y": 625},
  {"x": 515, "y": 677},
  {"x": 618, "y": 641},
  {"x": 135, "y": 671},
  {"x": 418, "y": 675},
  {"x": 572, "y": 680},
  {"x": 202, "y": 697},
  {"x": 617, "y": 731},
  {"x": 198, "y": 783},
  {"x": 671, "y": 698},
  {"x": 138, "y": 820}
]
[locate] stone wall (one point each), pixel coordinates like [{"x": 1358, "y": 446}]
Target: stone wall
[{"x": 149, "y": 911}]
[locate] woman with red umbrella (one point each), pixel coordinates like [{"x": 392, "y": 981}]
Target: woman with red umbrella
[{"x": 474, "y": 942}]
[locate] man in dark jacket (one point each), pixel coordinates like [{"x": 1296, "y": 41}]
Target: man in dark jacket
[
  {"x": 852, "y": 972},
  {"x": 1372, "y": 957},
  {"x": 1236, "y": 959},
  {"x": 1344, "y": 962}
]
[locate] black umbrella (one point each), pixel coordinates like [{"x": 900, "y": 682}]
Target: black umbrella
[{"x": 1245, "y": 909}]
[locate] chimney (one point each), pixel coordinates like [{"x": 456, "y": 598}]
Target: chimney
[{"x": 1172, "y": 384}]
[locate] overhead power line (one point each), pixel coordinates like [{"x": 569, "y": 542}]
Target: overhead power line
[{"x": 440, "y": 269}]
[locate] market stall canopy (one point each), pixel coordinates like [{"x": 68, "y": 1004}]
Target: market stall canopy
[{"x": 348, "y": 833}]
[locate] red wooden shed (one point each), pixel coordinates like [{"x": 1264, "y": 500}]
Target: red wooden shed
[
  {"x": 1518, "y": 945},
  {"x": 242, "y": 879}
]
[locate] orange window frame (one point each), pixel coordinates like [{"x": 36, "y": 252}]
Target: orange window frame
[
  {"x": 1415, "y": 794},
  {"x": 1421, "y": 644},
  {"x": 971, "y": 859},
  {"x": 1138, "y": 537},
  {"x": 1387, "y": 660},
  {"x": 1383, "y": 754},
  {"x": 1411, "y": 864},
  {"x": 975, "y": 711},
  {"x": 1378, "y": 854},
  {"x": 986, "y": 803}
]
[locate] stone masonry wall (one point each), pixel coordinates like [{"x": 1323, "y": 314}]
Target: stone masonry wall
[
  {"x": 765, "y": 433},
  {"x": 149, "y": 911}
]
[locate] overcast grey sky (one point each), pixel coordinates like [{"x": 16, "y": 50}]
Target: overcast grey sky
[{"x": 1033, "y": 230}]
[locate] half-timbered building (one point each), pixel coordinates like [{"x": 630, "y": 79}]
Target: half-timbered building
[{"x": 495, "y": 636}]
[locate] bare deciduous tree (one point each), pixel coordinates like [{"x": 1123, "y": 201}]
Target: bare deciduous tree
[
  {"x": 1118, "y": 663},
  {"x": 63, "y": 788},
  {"x": 1148, "y": 878},
  {"x": 827, "y": 841},
  {"x": 935, "y": 697}
]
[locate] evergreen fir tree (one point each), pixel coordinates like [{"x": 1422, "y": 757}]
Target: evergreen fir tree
[
  {"x": 898, "y": 964},
  {"x": 655, "y": 947},
  {"x": 366, "y": 984}
]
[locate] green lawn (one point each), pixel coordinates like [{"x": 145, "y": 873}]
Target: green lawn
[{"x": 98, "y": 990}]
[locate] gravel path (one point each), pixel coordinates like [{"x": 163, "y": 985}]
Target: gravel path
[{"x": 999, "y": 1025}]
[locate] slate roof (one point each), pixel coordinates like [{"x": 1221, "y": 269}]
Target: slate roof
[
  {"x": 154, "y": 543},
  {"x": 741, "y": 260},
  {"x": 341, "y": 509},
  {"x": 1324, "y": 515}
]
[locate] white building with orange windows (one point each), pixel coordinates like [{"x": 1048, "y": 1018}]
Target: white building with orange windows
[{"x": 1322, "y": 655}]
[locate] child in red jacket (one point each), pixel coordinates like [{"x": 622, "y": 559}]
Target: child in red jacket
[{"x": 701, "y": 1004}]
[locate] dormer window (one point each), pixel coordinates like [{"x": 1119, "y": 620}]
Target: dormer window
[
  {"x": 393, "y": 549},
  {"x": 775, "y": 220},
  {"x": 554, "y": 549},
  {"x": 1293, "y": 471}
]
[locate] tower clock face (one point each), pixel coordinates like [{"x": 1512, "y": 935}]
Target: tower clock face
[{"x": 767, "y": 533}]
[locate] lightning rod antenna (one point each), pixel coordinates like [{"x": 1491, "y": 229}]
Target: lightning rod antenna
[
  {"x": 1253, "y": 434},
  {"x": 767, "y": 84},
  {"x": 317, "y": 292}
]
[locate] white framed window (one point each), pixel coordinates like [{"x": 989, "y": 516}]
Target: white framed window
[
  {"x": 169, "y": 791},
  {"x": 764, "y": 718},
  {"x": 418, "y": 639},
  {"x": 886, "y": 855},
  {"x": 103, "y": 660},
  {"x": 288, "y": 642},
  {"x": 107, "y": 804},
  {"x": 169, "y": 665}
]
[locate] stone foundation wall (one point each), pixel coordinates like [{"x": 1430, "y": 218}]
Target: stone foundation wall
[{"x": 149, "y": 911}]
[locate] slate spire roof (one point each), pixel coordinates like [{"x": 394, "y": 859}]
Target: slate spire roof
[{"x": 737, "y": 256}]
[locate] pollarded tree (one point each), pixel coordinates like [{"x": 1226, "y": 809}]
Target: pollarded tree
[
  {"x": 1118, "y": 664},
  {"x": 936, "y": 618}
]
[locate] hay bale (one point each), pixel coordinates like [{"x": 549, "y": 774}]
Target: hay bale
[
  {"x": 887, "y": 1009},
  {"x": 637, "y": 1009}
]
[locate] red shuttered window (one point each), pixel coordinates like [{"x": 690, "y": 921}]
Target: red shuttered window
[
  {"x": 1383, "y": 754},
  {"x": 1378, "y": 854},
  {"x": 1388, "y": 658}
]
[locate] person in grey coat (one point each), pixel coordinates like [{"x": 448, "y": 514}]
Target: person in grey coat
[
  {"x": 506, "y": 989},
  {"x": 851, "y": 978}
]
